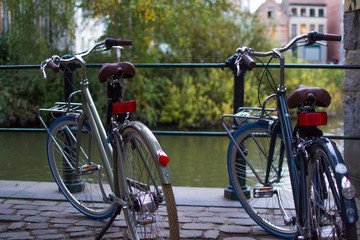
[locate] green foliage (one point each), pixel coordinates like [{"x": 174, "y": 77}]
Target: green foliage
[
  {"x": 36, "y": 30},
  {"x": 181, "y": 31}
]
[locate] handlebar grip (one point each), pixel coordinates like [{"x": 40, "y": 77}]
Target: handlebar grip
[
  {"x": 53, "y": 66},
  {"x": 248, "y": 61},
  {"x": 316, "y": 36},
  {"x": 332, "y": 37},
  {"x": 109, "y": 43}
]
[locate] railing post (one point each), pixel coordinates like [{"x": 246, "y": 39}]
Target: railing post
[
  {"x": 238, "y": 102},
  {"x": 72, "y": 181}
]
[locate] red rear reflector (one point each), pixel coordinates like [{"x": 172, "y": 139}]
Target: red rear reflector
[
  {"x": 312, "y": 119},
  {"x": 124, "y": 107},
  {"x": 163, "y": 158}
]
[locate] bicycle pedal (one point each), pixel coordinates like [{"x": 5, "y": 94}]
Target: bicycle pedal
[
  {"x": 146, "y": 220},
  {"x": 264, "y": 192},
  {"x": 87, "y": 169}
]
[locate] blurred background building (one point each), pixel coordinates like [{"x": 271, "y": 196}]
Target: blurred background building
[{"x": 290, "y": 18}]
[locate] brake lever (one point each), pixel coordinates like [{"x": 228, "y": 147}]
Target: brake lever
[
  {"x": 237, "y": 63},
  {"x": 43, "y": 66}
]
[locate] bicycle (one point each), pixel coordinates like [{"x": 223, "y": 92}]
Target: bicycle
[
  {"x": 101, "y": 170},
  {"x": 292, "y": 182}
]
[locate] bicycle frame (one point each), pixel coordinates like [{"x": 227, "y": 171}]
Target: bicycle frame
[
  {"x": 105, "y": 149},
  {"x": 296, "y": 153}
]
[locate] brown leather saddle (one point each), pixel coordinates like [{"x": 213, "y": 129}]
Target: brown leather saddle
[
  {"x": 319, "y": 96},
  {"x": 124, "y": 69}
]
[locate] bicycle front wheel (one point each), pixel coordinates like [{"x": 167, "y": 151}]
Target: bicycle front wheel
[
  {"x": 325, "y": 199},
  {"x": 265, "y": 195},
  {"x": 80, "y": 187},
  {"x": 152, "y": 211}
]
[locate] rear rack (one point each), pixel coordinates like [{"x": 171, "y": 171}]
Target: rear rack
[
  {"x": 246, "y": 115},
  {"x": 64, "y": 107},
  {"x": 60, "y": 109}
]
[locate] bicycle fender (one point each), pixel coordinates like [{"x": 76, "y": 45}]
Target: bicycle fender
[
  {"x": 350, "y": 214},
  {"x": 166, "y": 176}
]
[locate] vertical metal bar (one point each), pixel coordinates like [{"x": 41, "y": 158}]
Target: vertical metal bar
[
  {"x": 71, "y": 180},
  {"x": 238, "y": 102},
  {"x": 105, "y": 150}
]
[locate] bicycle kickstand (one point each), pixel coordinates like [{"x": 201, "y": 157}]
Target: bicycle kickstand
[{"x": 109, "y": 223}]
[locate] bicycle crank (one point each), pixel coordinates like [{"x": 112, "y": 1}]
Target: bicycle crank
[{"x": 268, "y": 192}]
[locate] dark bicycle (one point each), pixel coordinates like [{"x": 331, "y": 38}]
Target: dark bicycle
[{"x": 292, "y": 182}]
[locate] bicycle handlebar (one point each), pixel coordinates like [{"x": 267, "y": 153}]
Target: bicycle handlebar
[
  {"x": 54, "y": 62},
  {"x": 244, "y": 53},
  {"x": 249, "y": 61},
  {"x": 109, "y": 43},
  {"x": 311, "y": 38},
  {"x": 315, "y": 36},
  {"x": 53, "y": 66}
]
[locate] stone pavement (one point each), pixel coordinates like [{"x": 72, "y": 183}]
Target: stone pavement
[{"x": 32, "y": 210}]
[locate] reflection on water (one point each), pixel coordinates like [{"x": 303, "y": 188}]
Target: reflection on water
[{"x": 195, "y": 161}]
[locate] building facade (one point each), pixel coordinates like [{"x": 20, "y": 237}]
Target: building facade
[
  {"x": 306, "y": 16},
  {"x": 272, "y": 14},
  {"x": 297, "y": 17}
]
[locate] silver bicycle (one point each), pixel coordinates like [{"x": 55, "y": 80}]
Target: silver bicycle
[{"x": 101, "y": 170}]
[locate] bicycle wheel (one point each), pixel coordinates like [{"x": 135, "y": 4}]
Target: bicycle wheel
[
  {"x": 325, "y": 198},
  {"x": 82, "y": 190},
  {"x": 152, "y": 211},
  {"x": 263, "y": 201}
]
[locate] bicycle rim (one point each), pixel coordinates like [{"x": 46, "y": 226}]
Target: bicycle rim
[
  {"x": 81, "y": 190},
  {"x": 152, "y": 211},
  {"x": 261, "y": 201},
  {"x": 325, "y": 200}
]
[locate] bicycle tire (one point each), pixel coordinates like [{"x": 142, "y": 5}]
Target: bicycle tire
[
  {"x": 82, "y": 191},
  {"x": 152, "y": 212},
  {"x": 254, "y": 139},
  {"x": 325, "y": 198}
]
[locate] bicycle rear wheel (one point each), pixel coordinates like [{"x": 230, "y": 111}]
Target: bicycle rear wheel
[
  {"x": 263, "y": 201},
  {"x": 325, "y": 199},
  {"x": 82, "y": 190},
  {"x": 152, "y": 211}
]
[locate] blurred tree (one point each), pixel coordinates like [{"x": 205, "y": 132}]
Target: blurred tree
[
  {"x": 179, "y": 31},
  {"x": 35, "y": 30}
]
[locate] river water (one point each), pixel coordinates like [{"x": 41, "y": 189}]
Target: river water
[{"x": 195, "y": 161}]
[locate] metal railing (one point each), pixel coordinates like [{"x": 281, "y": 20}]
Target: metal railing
[
  {"x": 238, "y": 98},
  {"x": 199, "y": 65}
]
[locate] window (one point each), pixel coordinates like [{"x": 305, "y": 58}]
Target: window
[
  {"x": 303, "y": 12},
  {"x": 293, "y": 30},
  {"x": 312, "y": 27},
  {"x": 321, "y": 12},
  {"x": 270, "y": 12},
  {"x": 321, "y": 28},
  {"x": 294, "y": 11},
  {"x": 303, "y": 29},
  {"x": 312, "y": 12},
  {"x": 273, "y": 31}
]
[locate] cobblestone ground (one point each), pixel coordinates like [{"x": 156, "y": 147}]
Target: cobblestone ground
[{"x": 27, "y": 219}]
